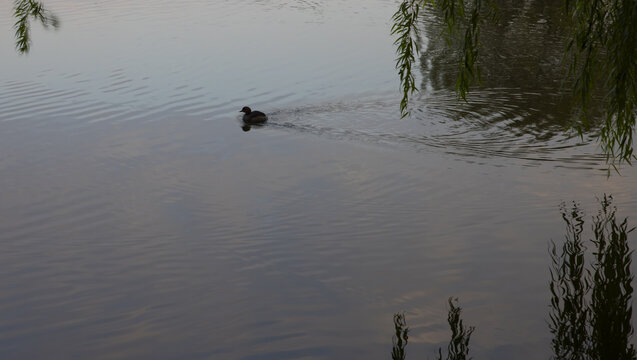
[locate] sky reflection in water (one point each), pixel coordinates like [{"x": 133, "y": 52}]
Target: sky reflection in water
[{"x": 140, "y": 221}]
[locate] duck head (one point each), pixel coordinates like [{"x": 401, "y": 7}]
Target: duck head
[{"x": 246, "y": 110}]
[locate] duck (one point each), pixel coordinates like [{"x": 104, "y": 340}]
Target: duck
[{"x": 253, "y": 117}]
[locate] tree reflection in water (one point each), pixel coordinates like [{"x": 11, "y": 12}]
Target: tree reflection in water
[
  {"x": 591, "y": 306},
  {"x": 458, "y": 348},
  {"x": 400, "y": 337},
  {"x": 591, "y": 310}
]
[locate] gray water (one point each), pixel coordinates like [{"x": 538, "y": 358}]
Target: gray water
[{"x": 140, "y": 222}]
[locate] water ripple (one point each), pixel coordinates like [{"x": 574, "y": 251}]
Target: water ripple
[{"x": 495, "y": 124}]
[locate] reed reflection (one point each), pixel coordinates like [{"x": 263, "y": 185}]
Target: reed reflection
[
  {"x": 400, "y": 337},
  {"x": 458, "y": 347},
  {"x": 591, "y": 302},
  {"x": 591, "y": 305}
]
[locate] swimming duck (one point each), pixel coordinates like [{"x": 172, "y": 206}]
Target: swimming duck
[{"x": 253, "y": 117}]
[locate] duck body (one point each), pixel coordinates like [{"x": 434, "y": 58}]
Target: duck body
[{"x": 253, "y": 117}]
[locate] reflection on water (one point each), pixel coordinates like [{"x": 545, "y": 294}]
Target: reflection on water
[
  {"x": 400, "y": 338},
  {"x": 458, "y": 347},
  {"x": 569, "y": 285},
  {"x": 522, "y": 50},
  {"x": 520, "y": 113},
  {"x": 523, "y": 99},
  {"x": 139, "y": 221},
  {"x": 497, "y": 123},
  {"x": 591, "y": 307}
]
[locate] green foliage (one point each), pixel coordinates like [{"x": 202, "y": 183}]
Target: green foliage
[
  {"x": 591, "y": 307},
  {"x": 23, "y": 10},
  {"x": 405, "y": 27},
  {"x": 601, "y": 50},
  {"x": 458, "y": 19},
  {"x": 462, "y": 23}
]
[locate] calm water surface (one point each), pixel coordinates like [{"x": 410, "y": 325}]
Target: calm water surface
[{"x": 140, "y": 222}]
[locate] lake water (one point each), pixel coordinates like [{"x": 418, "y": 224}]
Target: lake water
[{"x": 140, "y": 222}]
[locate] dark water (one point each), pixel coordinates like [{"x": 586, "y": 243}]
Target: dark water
[{"x": 139, "y": 221}]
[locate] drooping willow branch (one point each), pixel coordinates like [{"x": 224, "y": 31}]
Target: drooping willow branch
[
  {"x": 462, "y": 23},
  {"x": 407, "y": 48},
  {"x": 601, "y": 50},
  {"x": 23, "y": 11},
  {"x": 603, "y": 47}
]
